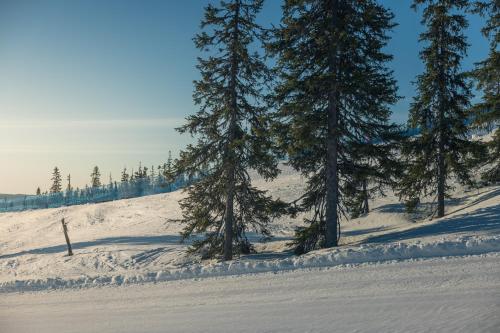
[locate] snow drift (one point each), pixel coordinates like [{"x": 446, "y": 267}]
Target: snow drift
[{"x": 326, "y": 258}]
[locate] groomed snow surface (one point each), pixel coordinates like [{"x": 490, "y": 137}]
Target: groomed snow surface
[
  {"x": 456, "y": 295},
  {"x": 130, "y": 273}
]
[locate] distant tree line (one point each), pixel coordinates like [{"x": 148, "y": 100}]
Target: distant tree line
[{"x": 144, "y": 181}]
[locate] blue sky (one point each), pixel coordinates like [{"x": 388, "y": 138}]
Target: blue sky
[{"x": 105, "y": 82}]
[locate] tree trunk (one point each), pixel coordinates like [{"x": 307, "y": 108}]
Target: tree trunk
[
  {"x": 441, "y": 177},
  {"x": 229, "y": 221},
  {"x": 230, "y": 189},
  {"x": 441, "y": 134},
  {"x": 332, "y": 181},
  {"x": 366, "y": 208}
]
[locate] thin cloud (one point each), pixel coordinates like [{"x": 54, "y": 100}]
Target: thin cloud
[
  {"x": 92, "y": 123},
  {"x": 76, "y": 150}
]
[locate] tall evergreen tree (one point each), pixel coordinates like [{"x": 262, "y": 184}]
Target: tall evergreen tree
[
  {"x": 56, "y": 181},
  {"x": 333, "y": 102},
  {"x": 95, "y": 178},
  {"x": 440, "y": 109},
  {"x": 231, "y": 129},
  {"x": 38, "y": 191},
  {"x": 487, "y": 76}
]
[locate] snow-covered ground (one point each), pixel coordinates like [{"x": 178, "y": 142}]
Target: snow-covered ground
[
  {"x": 459, "y": 294},
  {"x": 135, "y": 240},
  {"x": 392, "y": 273}
]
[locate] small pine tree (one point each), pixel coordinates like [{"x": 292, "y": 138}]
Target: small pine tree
[
  {"x": 487, "y": 77},
  {"x": 56, "y": 181},
  {"x": 139, "y": 179},
  {"x": 125, "y": 176},
  {"x": 168, "y": 170},
  {"x": 139, "y": 174},
  {"x": 69, "y": 188},
  {"x": 152, "y": 175},
  {"x": 231, "y": 127},
  {"x": 38, "y": 191},
  {"x": 440, "y": 109},
  {"x": 159, "y": 176},
  {"x": 95, "y": 178}
]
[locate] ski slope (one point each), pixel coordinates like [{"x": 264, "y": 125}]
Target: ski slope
[
  {"x": 453, "y": 295},
  {"x": 137, "y": 240}
]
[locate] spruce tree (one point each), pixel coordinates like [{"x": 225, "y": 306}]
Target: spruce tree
[
  {"x": 333, "y": 99},
  {"x": 139, "y": 174},
  {"x": 364, "y": 185},
  {"x": 56, "y": 181},
  {"x": 95, "y": 178},
  {"x": 69, "y": 188},
  {"x": 152, "y": 175},
  {"x": 487, "y": 76},
  {"x": 442, "y": 148},
  {"x": 168, "y": 169},
  {"x": 38, "y": 191},
  {"x": 231, "y": 127},
  {"x": 125, "y": 176}
]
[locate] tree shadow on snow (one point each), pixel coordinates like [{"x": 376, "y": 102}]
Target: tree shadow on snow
[
  {"x": 267, "y": 255},
  {"x": 482, "y": 198},
  {"x": 139, "y": 240},
  {"x": 426, "y": 206},
  {"x": 363, "y": 231},
  {"x": 482, "y": 220}
]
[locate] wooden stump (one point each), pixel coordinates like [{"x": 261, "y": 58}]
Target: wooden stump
[{"x": 65, "y": 229}]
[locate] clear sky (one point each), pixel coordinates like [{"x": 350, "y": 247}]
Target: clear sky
[{"x": 105, "y": 82}]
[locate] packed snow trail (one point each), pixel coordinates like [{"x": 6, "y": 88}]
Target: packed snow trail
[{"x": 460, "y": 294}]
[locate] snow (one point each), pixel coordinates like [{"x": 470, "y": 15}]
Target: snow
[
  {"x": 136, "y": 240},
  {"x": 325, "y": 258},
  {"x": 458, "y": 294},
  {"x": 129, "y": 273},
  {"x": 485, "y": 135}
]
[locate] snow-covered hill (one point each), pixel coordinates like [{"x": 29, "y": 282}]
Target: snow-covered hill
[{"x": 135, "y": 240}]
